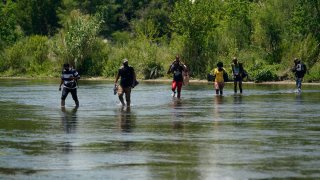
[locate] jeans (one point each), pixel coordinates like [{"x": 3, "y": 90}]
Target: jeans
[{"x": 298, "y": 83}]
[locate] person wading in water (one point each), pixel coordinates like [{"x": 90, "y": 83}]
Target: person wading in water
[
  {"x": 238, "y": 74},
  {"x": 219, "y": 74},
  {"x": 69, "y": 80},
  {"x": 299, "y": 69},
  {"x": 127, "y": 81},
  {"x": 177, "y": 68}
]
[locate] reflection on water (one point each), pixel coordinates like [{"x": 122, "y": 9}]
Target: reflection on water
[
  {"x": 177, "y": 117},
  {"x": 69, "y": 123},
  {"x": 267, "y": 132},
  {"x": 69, "y": 120},
  {"x": 126, "y": 119}
]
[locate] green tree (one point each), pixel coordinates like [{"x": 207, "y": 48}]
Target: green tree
[
  {"x": 196, "y": 21},
  {"x": 29, "y": 55},
  {"x": 236, "y": 23},
  {"x": 38, "y": 16},
  {"x": 9, "y": 29},
  {"x": 77, "y": 39},
  {"x": 268, "y": 29}
]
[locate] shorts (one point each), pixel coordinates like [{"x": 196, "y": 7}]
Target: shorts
[
  {"x": 122, "y": 90},
  {"x": 66, "y": 91},
  {"x": 237, "y": 78},
  {"x": 218, "y": 85}
]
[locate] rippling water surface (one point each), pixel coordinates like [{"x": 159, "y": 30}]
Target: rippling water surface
[{"x": 268, "y": 132}]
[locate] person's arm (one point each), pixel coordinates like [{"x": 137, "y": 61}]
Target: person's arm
[
  {"x": 61, "y": 82},
  {"x": 76, "y": 76},
  {"x": 170, "y": 69},
  {"x": 117, "y": 78},
  {"x": 232, "y": 68},
  {"x": 214, "y": 73},
  {"x": 294, "y": 68},
  {"x": 134, "y": 75},
  {"x": 184, "y": 67}
]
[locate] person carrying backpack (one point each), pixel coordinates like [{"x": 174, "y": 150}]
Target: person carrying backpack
[
  {"x": 299, "y": 69},
  {"x": 238, "y": 74},
  {"x": 127, "y": 82}
]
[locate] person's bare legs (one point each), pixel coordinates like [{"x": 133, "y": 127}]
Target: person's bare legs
[
  {"x": 121, "y": 99},
  {"x": 235, "y": 86},
  {"x": 128, "y": 96},
  {"x": 240, "y": 86},
  {"x": 63, "y": 102}
]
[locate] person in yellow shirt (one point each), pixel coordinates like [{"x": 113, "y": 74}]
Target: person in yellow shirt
[{"x": 219, "y": 78}]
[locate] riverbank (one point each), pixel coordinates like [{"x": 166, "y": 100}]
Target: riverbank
[{"x": 192, "y": 81}]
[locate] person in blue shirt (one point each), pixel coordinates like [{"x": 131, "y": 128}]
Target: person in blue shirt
[
  {"x": 69, "y": 78},
  {"x": 238, "y": 73}
]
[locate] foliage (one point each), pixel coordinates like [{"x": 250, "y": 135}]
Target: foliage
[
  {"x": 96, "y": 35},
  {"x": 76, "y": 41},
  {"x": 313, "y": 74},
  {"x": 38, "y": 16},
  {"x": 153, "y": 70},
  {"x": 196, "y": 22},
  {"x": 97, "y": 59},
  {"x": 264, "y": 75},
  {"x": 28, "y": 56},
  {"x": 9, "y": 31}
]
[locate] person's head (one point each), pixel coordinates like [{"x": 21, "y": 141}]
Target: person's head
[
  {"x": 66, "y": 66},
  {"x": 296, "y": 61},
  {"x": 235, "y": 60},
  {"x": 177, "y": 60},
  {"x": 125, "y": 62},
  {"x": 220, "y": 65}
]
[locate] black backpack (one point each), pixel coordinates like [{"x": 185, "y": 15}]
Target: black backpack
[
  {"x": 210, "y": 77},
  {"x": 225, "y": 76}
]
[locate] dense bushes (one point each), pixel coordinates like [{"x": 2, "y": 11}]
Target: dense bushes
[
  {"x": 95, "y": 37},
  {"x": 28, "y": 56}
]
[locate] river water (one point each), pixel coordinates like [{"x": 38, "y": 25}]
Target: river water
[{"x": 268, "y": 132}]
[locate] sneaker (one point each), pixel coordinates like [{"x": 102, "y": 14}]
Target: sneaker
[{"x": 173, "y": 94}]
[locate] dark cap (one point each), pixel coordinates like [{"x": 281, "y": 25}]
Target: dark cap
[{"x": 65, "y": 65}]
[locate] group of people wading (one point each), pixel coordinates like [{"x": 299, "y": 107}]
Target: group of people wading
[
  {"x": 128, "y": 80},
  {"x": 220, "y": 76}
]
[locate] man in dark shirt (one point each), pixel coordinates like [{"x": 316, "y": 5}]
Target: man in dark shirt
[
  {"x": 299, "y": 70},
  {"x": 176, "y": 68},
  {"x": 127, "y": 81},
  {"x": 69, "y": 80},
  {"x": 238, "y": 72}
]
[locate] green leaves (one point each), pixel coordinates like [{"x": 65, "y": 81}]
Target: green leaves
[{"x": 78, "y": 37}]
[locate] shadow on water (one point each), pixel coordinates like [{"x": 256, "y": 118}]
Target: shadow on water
[
  {"x": 126, "y": 120},
  {"x": 69, "y": 123},
  {"x": 177, "y": 117},
  {"x": 69, "y": 120}
]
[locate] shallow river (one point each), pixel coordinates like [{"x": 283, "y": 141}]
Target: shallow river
[{"x": 268, "y": 132}]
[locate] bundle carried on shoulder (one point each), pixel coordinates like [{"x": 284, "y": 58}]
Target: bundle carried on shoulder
[{"x": 225, "y": 76}]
